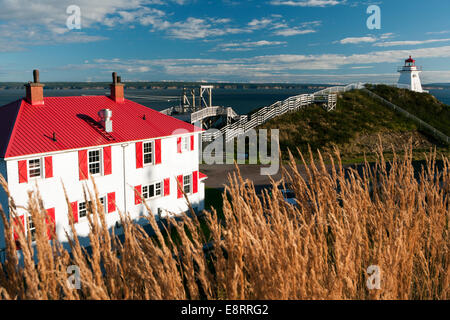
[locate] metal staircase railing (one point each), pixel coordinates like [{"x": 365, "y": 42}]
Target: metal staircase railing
[{"x": 326, "y": 96}]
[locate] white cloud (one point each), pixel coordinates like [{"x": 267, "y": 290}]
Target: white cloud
[
  {"x": 248, "y": 45},
  {"x": 439, "y": 32},
  {"x": 293, "y": 32},
  {"x": 306, "y": 3},
  {"x": 256, "y": 24},
  {"x": 408, "y": 43},
  {"x": 357, "y": 40},
  {"x": 280, "y": 67}
]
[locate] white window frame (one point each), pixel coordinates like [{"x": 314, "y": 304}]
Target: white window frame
[
  {"x": 41, "y": 168},
  {"x": 100, "y": 162},
  {"x": 31, "y": 227},
  {"x": 187, "y": 184},
  {"x": 185, "y": 143},
  {"x": 152, "y": 144},
  {"x": 145, "y": 193},
  {"x": 103, "y": 201}
]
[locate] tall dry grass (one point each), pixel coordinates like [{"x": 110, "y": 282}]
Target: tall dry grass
[{"x": 264, "y": 248}]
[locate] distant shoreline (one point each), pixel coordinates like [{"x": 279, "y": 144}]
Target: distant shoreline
[
  {"x": 165, "y": 86},
  {"x": 188, "y": 85}
]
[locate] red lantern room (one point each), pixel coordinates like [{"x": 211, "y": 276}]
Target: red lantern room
[{"x": 410, "y": 62}]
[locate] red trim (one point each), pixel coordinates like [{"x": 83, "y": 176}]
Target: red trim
[
  {"x": 48, "y": 167},
  {"x": 51, "y": 223},
  {"x": 139, "y": 156},
  {"x": 195, "y": 182},
  {"x": 111, "y": 202},
  {"x": 74, "y": 206},
  {"x": 192, "y": 143},
  {"x": 137, "y": 195},
  {"x": 23, "y": 171},
  {"x": 158, "y": 151},
  {"x": 107, "y": 161},
  {"x": 179, "y": 145},
  {"x": 83, "y": 165},
  {"x": 166, "y": 187},
  {"x": 16, "y": 225},
  {"x": 179, "y": 186}
]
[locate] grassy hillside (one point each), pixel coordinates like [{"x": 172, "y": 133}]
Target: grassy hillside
[
  {"x": 422, "y": 105},
  {"x": 358, "y": 122}
]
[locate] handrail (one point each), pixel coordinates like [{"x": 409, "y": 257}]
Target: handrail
[
  {"x": 327, "y": 95},
  {"x": 421, "y": 123}
]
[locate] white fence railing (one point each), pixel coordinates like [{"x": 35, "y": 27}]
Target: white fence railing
[
  {"x": 422, "y": 124},
  {"x": 213, "y": 111},
  {"x": 327, "y": 96}
]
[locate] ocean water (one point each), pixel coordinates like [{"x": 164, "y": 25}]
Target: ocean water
[{"x": 242, "y": 101}]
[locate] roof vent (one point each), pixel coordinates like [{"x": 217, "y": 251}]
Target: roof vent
[{"x": 105, "y": 119}]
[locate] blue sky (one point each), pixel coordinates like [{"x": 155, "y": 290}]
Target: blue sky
[{"x": 301, "y": 41}]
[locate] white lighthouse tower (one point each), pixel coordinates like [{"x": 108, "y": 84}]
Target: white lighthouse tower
[{"x": 410, "y": 76}]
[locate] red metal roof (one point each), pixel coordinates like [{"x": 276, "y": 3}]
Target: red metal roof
[
  {"x": 202, "y": 176},
  {"x": 27, "y": 129}
]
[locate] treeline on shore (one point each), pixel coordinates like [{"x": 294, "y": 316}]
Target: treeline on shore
[{"x": 166, "y": 85}]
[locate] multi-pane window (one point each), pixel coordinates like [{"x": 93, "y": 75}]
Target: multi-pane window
[
  {"x": 34, "y": 168},
  {"x": 82, "y": 209},
  {"x": 94, "y": 162},
  {"x": 186, "y": 143},
  {"x": 187, "y": 184},
  {"x": 152, "y": 190},
  {"x": 31, "y": 228},
  {"x": 148, "y": 153},
  {"x": 85, "y": 208}
]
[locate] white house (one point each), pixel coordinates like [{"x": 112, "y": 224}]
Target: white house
[{"x": 48, "y": 142}]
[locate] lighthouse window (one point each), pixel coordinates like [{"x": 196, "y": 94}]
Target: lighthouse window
[
  {"x": 94, "y": 162},
  {"x": 34, "y": 166},
  {"x": 148, "y": 153}
]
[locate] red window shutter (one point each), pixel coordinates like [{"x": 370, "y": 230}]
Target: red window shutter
[
  {"x": 139, "y": 156},
  {"x": 137, "y": 195},
  {"x": 23, "y": 171},
  {"x": 107, "y": 161},
  {"x": 48, "y": 167},
  {"x": 166, "y": 187},
  {"x": 83, "y": 164},
  {"x": 16, "y": 226},
  {"x": 192, "y": 143},
  {"x": 158, "y": 151},
  {"x": 111, "y": 202},
  {"x": 74, "y": 206},
  {"x": 179, "y": 144},
  {"x": 180, "y": 186},
  {"x": 50, "y": 220},
  {"x": 195, "y": 182}
]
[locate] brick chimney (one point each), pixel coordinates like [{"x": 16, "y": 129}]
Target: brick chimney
[
  {"x": 117, "y": 89},
  {"x": 35, "y": 90}
]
